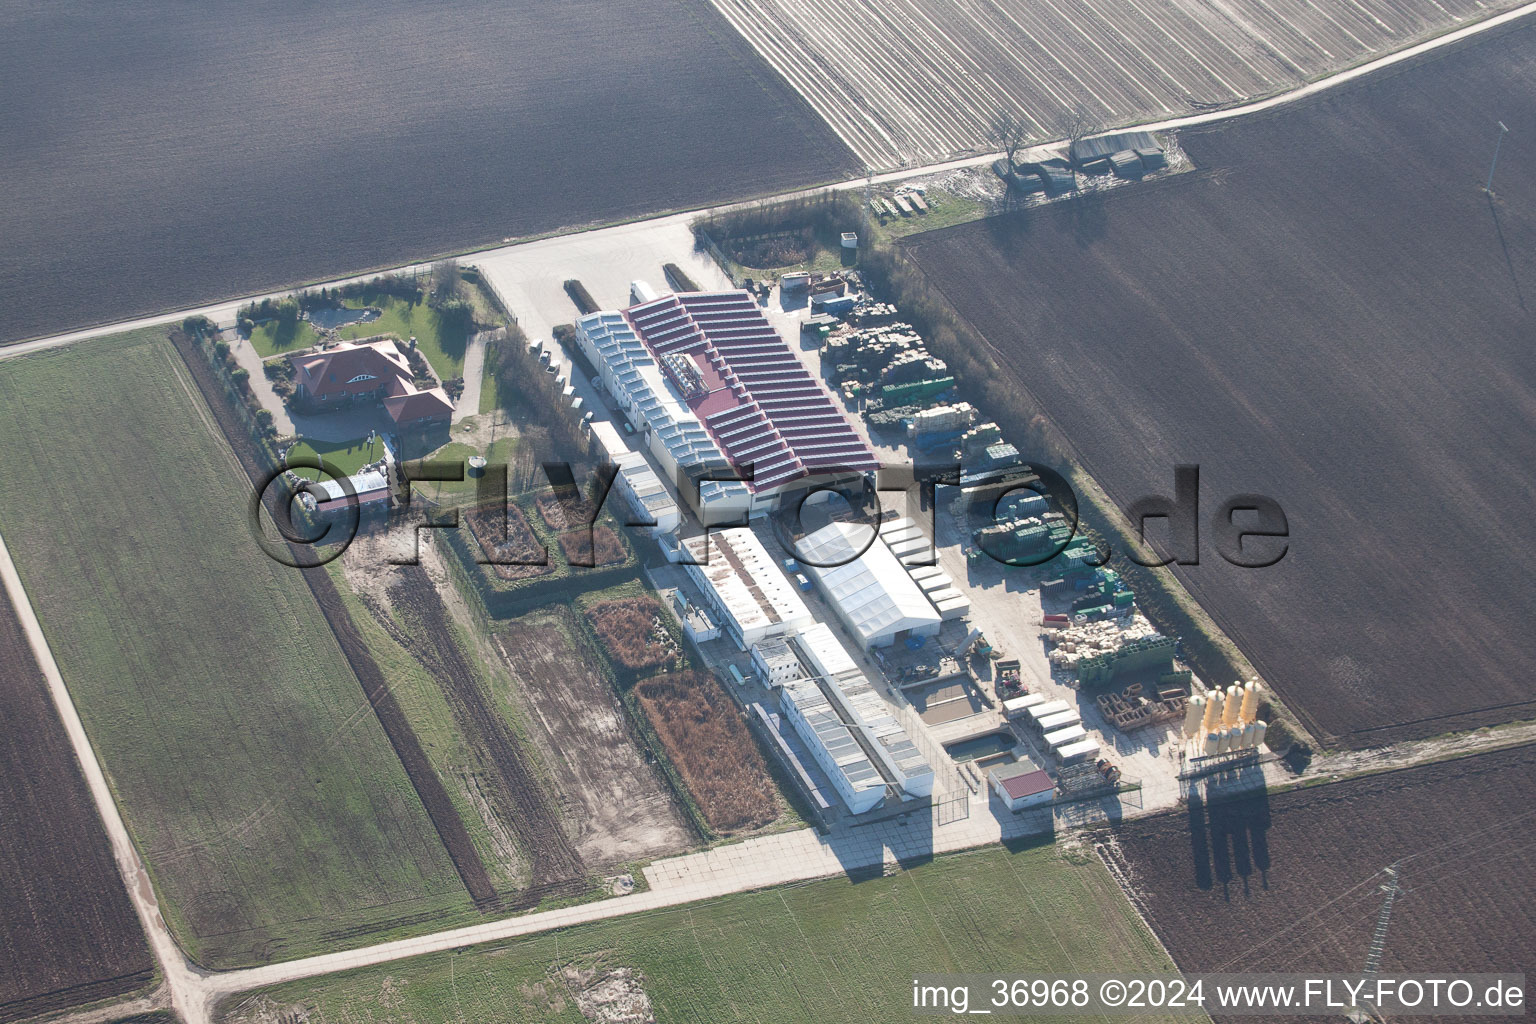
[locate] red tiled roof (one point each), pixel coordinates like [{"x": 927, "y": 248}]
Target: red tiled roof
[
  {"x": 379, "y": 366},
  {"x": 1019, "y": 786},
  {"x": 365, "y": 498},
  {"x": 419, "y": 405},
  {"x": 336, "y": 371}
]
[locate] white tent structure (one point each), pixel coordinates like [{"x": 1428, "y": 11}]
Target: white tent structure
[{"x": 874, "y": 595}]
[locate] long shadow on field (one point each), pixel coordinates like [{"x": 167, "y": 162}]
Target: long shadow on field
[
  {"x": 1239, "y": 841},
  {"x": 1493, "y": 208},
  {"x": 1086, "y": 213},
  {"x": 1199, "y": 840}
]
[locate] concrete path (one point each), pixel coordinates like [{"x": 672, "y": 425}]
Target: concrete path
[
  {"x": 250, "y": 360},
  {"x": 474, "y": 371}
]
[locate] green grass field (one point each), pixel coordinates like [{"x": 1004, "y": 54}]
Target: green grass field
[
  {"x": 827, "y": 951},
  {"x": 944, "y": 210},
  {"x": 347, "y": 456},
  {"x": 463, "y": 492},
  {"x": 444, "y": 350},
  {"x": 274, "y": 815}
]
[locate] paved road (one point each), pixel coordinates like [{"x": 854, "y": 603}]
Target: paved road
[
  {"x": 735, "y": 868},
  {"x": 474, "y": 370}
]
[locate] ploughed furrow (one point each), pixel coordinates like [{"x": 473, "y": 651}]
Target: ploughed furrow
[
  {"x": 534, "y": 821},
  {"x": 429, "y": 788},
  {"x": 68, "y": 934},
  {"x": 914, "y": 81}
]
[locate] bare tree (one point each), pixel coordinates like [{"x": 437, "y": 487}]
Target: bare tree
[
  {"x": 1076, "y": 123},
  {"x": 1009, "y": 132},
  {"x": 445, "y": 280}
]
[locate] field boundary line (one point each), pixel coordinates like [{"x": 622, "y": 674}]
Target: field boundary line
[{"x": 179, "y": 975}]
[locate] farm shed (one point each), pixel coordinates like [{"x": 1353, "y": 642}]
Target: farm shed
[
  {"x": 831, "y": 702},
  {"x": 369, "y": 492},
  {"x": 782, "y": 744},
  {"x": 1060, "y": 720},
  {"x": 774, "y": 662},
  {"x": 872, "y": 592},
  {"x": 832, "y": 745},
  {"x": 1057, "y": 179},
  {"x": 646, "y": 495},
  {"x": 1047, "y": 709},
  {"x": 1065, "y": 736},
  {"x": 697, "y": 622},
  {"x": 1079, "y": 751},
  {"x": 954, "y": 608},
  {"x": 718, "y": 356},
  {"x": 1021, "y": 785},
  {"x": 680, "y": 444},
  {"x": 850, "y": 690}
]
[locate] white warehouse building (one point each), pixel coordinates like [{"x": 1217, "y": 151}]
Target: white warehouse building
[
  {"x": 748, "y": 593},
  {"x": 713, "y": 390},
  {"x": 645, "y": 493},
  {"x": 833, "y": 745},
  {"x": 849, "y": 728},
  {"x": 871, "y": 590},
  {"x": 672, "y": 433}
]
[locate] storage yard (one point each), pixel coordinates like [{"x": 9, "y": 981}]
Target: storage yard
[
  {"x": 67, "y": 930},
  {"x": 1291, "y": 881},
  {"x": 1154, "y": 333},
  {"x": 904, "y": 617},
  {"x": 913, "y": 82}
]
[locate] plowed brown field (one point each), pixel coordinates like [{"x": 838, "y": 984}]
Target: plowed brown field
[
  {"x": 1333, "y": 314},
  {"x": 68, "y": 934},
  {"x": 1290, "y": 882}
]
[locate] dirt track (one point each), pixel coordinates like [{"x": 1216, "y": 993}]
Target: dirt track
[
  {"x": 415, "y": 598},
  {"x": 614, "y": 804}
]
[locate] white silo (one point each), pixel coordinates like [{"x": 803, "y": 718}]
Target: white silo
[
  {"x": 1249, "y": 731},
  {"x": 1212, "y": 743},
  {"x": 1223, "y": 741},
  {"x": 1232, "y": 705},
  {"x": 1212, "y": 710},
  {"x": 1259, "y": 728},
  {"x": 1194, "y": 715},
  {"x": 1251, "y": 701}
]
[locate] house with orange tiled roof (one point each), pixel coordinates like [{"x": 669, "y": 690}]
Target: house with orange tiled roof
[{"x": 376, "y": 371}]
